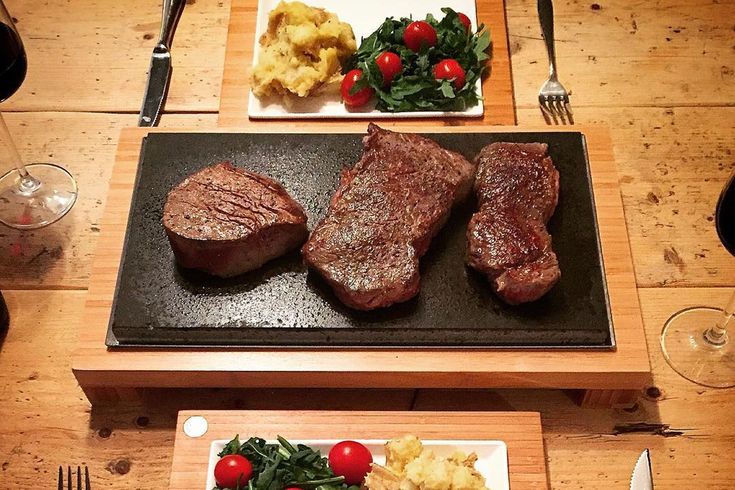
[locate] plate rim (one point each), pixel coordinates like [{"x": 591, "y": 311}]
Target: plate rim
[{"x": 499, "y": 444}]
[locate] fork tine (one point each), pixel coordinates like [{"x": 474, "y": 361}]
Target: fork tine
[
  {"x": 542, "y": 104},
  {"x": 553, "y": 99},
  {"x": 545, "y": 104},
  {"x": 61, "y": 478},
  {"x": 68, "y": 477},
  {"x": 87, "y": 485},
  {"x": 558, "y": 105},
  {"x": 552, "y": 109},
  {"x": 79, "y": 478},
  {"x": 555, "y": 103},
  {"x": 560, "y": 110}
]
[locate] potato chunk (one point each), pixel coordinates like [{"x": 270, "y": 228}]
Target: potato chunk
[
  {"x": 303, "y": 48},
  {"x": 410, "y": 466}
]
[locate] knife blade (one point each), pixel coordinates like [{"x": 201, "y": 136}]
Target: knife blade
[
  {"x": 159, "y": 73},
  {"x": 642, "y": 478}
]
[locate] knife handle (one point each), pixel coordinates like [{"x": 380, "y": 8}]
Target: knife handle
[{"x": 172, "y": 10}]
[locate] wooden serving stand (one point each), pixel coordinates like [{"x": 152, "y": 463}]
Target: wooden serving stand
[
  {"x": 607, "y": 378},
  {"x": 497, "y": 88},
  {"x": 521, "y": 432}
]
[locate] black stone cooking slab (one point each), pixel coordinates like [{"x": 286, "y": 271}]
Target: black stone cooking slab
[{"x": 282, "y": 304}]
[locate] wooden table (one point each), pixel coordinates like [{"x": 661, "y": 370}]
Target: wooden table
[{"x": 661, "y": 74}]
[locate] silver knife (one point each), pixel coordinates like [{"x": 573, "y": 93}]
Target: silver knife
[
  {"x": 159, "y": 73},
  {"x": 642, "y": 478}
]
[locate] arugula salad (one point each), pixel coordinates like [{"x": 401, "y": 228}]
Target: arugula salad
[
  {"x": 425, "y": 65},
  {"x": 258, "y": 465}
]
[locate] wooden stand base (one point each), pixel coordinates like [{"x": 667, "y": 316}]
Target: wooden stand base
[
  {"x": 610, "y": 377},
  {"x": 606, "y": 398},
  {"x": 389, "y": 399}
]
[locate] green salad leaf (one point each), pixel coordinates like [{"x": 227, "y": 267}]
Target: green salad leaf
[
  {"x": 281, "y": 465},
  {"x": 416, "y": 89}
]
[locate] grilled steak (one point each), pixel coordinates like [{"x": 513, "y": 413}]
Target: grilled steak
[
  {"x": 226, "y": 221},
  {"x": 383, "y": 216},
  {"x": 517, "y": 188}
]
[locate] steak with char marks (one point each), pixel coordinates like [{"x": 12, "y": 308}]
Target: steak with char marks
[
  {"x": 517, "y": 189},
  {"x": 225, "y": 220},
  {"x": 382, "y": 217}
]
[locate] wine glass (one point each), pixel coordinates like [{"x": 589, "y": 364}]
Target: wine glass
[
  {"x": 35, "y": 195},
  {"x": 695, "y": 341}
]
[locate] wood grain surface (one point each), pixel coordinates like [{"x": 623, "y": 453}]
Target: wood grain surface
[
  {"x": 92, "y": 55},
  {"x": 521, "y": 432},
  {"x": 497, "y": 88},
  {"x": 660, "y": 74},
  {"x": 625, "y": 368}
]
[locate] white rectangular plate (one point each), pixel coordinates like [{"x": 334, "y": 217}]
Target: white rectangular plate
[
  {"x": 492, "y": 456},
  {"x": 364, "y": 17}
]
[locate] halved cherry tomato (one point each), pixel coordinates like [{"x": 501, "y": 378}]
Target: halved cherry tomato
[
  {"x": 390, "y": 66},
  {"x": 464, "y": 20},
  {"x": 233, "y": 470},
  {"x": 417, "y": 34},
  {"x": 359, "y": 98},
  {"x": 351, "y": 460},
  {"x": 449, "y": 69}
]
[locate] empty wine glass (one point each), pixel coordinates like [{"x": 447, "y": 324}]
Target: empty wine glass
[
  {"x": 695, "y": 341},
  {"x": 35, "y": 195}
]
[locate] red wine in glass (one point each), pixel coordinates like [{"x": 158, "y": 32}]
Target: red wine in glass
[
  {"x": 37, "y": 194},
  {"x": 13, "y": 64},
  {"x": 725, "y": 216},
  {"x": 4, "y": 316}
]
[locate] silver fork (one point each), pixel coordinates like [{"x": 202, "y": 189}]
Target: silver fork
[
  {"x": 553, "y": 97},
  {"x": 87, "y": 485}
]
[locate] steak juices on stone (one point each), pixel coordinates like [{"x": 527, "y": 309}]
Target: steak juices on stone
[
  {"x": 517, "y": 189},
  {"x": 382, "y": 217},
  {"x": 227, "y": 221}
]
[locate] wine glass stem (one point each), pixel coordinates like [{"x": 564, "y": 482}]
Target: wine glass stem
[
  {"x": 28, "y": 183},
  {"x": 717, "y": 333}
]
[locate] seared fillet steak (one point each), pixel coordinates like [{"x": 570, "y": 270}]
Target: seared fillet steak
[
  {"x": 517, "y": 189},
  {"x": 383, "y": 216},
  {"x": 226, "y": 221}
]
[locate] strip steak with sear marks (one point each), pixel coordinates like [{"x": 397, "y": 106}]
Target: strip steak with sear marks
[
  {"x": 517, "y": 189},
  {"x": 382, "y": 217},
  {"x": 226, "y": 221}
]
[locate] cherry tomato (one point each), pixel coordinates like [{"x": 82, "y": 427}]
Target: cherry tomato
[
  {"x": 417, "y": 34},
  {"x": 390, "y": 66},
  {"x": 464, "y": 20},
  {"x": 233, "y": 470},
  {"x": 361, "y": 97},
  {"x": 351, "y": 460},
  {"x": 449, "y": 69}
]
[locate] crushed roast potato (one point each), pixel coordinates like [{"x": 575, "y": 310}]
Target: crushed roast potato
[
  {"x": 410, "y": 466},
  {"x": 303, "y": 48}
]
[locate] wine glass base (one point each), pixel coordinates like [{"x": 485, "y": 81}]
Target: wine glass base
[
  {"x": 27, "y": 208},
  {"x": 691, "y": 355}
]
